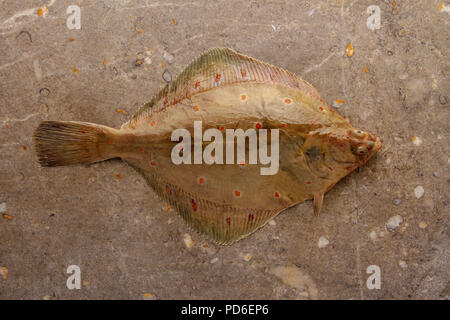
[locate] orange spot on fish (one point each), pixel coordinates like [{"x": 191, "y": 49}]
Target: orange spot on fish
[
  {"x": 111, "y": 142},
  {"x": 366, "y": 69},
  {"x": 166, "y": 100},
  {"x": 243, "y": 73},
  {"x": 237, "y": 193},
  {"x": 121, "y": 111},
  {"x": 258, "y": 126},
  {"x": 118, "y": 176},
  {"x": 250, "y": 217},
  {"x": 194, "y": 204},
  {"x": 222, "y": 128},
  {"x": 196, "y": 108},
  {"x": 201, "y": 180},
  {"x": 197, "y": 84},
  {"x": 287, "y": 101},
  {"x": 152, "y": 123},
  {"x": 218, "y": 76},
  {"x": 320, "y": 108},
  {"x": 243, "y": 97},
  {"x": 24, "y": 148},
  {"x": 71, "y": 39}
]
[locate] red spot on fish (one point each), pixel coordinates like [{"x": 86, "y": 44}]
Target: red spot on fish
[
  {"x": 153, "y": 163},
  {"x": 218, "y": 76},
  {"x": 201, "y": 180},
  {"x": 168, "y": 190},
  {"x": 83, "y": 131},
  {"x": 312, "y": 122},
  {"x": 283, "y": 125},
  {"x": 110, "y": 142},
  {"x": 243, "y": 73},
  {"x": 258, "y": 126},
  {"x": 228, "y": 220},
  {"x": 222, "y": 128},
  {"x": 237, "y": 193},
  {"x": 250, "y": 217},
  {"x": 194, "y": 204},
  {"x": 242, "y": 163},
  {"x": 166, "y": 100},
  {"x": 141, "y": 150},
  {"x": 308, "y": 182},
  {"x": 277, "y": 194},
  {"x": 197, "y": 84},
  {"x": 320, "y": 108}
]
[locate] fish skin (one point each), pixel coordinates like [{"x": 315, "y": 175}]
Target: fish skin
[{"x": 225, "y": 90}]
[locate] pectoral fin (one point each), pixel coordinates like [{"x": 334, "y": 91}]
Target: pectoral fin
[{"x": 318, "y": 201}]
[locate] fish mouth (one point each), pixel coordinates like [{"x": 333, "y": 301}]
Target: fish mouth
[{"x": 377, "y": 145}]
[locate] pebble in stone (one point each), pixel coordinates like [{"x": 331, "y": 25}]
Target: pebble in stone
[
  {"x": 422, "y": 224},
  {"x": 167, "y": 76},
  {"x": 435, "y": 174},
  {"x": 373, "y": 235},
  {"x": 418, "y": 192},
  {"x": 214, "y": 260},
  {"x": 247, "y": 257},
  {"x": 4, "y": 272},
  {"x": 417, "y": 141},
  {"x": 397, "y": 201},
  {"x": 402, "y": 264},
  {"x": 2, "y": 207},
  {"x": 149, "y": 296},
  {"x": 272, "y": 223},
  {"x": 323, "y": 242},
  {"x": 394, "y": 222},
  {"x": 188, "y": 241},
  {"x": 169, "y": 58}
]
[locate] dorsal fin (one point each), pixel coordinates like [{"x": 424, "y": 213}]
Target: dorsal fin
[{"x": 220, "y": 67}]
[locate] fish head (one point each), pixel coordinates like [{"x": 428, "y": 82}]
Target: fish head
[{"x": 351, "y": 148}]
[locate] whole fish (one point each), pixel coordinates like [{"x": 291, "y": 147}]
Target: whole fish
[{"x": 221, "y": 92}]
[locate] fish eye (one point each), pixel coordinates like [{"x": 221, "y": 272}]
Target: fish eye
[
  {"x": 361, "y": 150},
  {"x": 359, "y": 134}
]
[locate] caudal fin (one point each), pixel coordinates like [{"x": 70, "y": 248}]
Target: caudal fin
[{"x": 61, "y": 143}]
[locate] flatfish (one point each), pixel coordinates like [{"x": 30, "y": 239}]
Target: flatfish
[{"x": 230, "y": 143}]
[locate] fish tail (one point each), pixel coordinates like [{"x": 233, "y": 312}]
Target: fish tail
[{"x": 61, "y": 143}]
